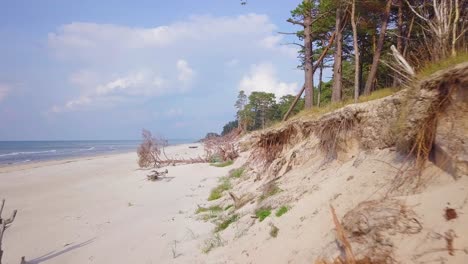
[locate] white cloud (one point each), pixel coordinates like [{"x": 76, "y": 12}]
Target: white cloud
[
  {"x": 139, "y": 84},
  {"x": 186, "y": 73},
  {"x": 4, "y": 91},
  {"x": 262, "y": 78},
  {"x": 110, "y": 58}
]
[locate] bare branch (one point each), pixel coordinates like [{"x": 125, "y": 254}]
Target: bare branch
[
  {"x": 290, "y": 20},
  {"x": 287, "y": 33}
]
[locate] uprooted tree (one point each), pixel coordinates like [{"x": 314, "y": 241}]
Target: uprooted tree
[
  {"x": 222, "y": 148},
  {"x": 151, "y": 153}
]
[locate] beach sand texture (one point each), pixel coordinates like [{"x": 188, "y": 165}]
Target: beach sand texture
[{"x": 103, "y": 210}]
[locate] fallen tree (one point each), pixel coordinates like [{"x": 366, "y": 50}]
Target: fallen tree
[{"x": 151, "y": 153}]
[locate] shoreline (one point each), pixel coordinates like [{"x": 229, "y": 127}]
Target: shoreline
[
  {"x": 5, "y": 168},
  {"x": 103, "y": 209}
]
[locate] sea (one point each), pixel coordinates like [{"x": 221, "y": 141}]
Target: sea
[{"x": 19, "y": 152}]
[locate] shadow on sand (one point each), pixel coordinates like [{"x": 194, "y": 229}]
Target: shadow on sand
[{"x": 56, "y": 253}]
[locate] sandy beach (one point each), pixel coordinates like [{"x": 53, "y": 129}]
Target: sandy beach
[{"x": 103, "y": 210}]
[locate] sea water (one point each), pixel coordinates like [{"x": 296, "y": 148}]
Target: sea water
[{"x": 17, "y": 152}]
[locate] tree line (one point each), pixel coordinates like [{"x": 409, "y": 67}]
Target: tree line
[
  {"x": 360, "y": 40},
  {"x": 357, "y": 36}
]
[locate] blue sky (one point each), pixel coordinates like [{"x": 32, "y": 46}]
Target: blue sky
[{"x": 106, "y": 69}]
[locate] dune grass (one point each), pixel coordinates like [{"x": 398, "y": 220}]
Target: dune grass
[
  {"x": 225, "y": 223},
  {"x": 211, "y": 243},
  {"x": 432, "y": 67},
  {"x": 269, "y": 190},
  {"x": 263, "y": 213},
  {"x": 316, "y": 112},
  {"x": 281, "y": 211},
  {"x": 274, "y": 231},
  {"x": 212, "y": 209},
  {"x": 222, "y": 164},
  {"x": 237, "y": 173},
  {"x": 217, "y": 192}
]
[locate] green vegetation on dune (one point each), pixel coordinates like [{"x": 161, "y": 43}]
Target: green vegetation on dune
[
  {"x": 281, "y": 211},
  {"x": 225, "y": 223},
  {"x": 216, "y": 192},
  {"x": 263, "y": 213},
  {"x": 237, "y": 173},
  {"x": 223, "y": 164},
  {"x": 212, "y": 209},
  {"x": 433, "y": 67}
]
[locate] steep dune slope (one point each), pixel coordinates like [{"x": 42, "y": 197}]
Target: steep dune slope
[{"x": 394, "y": 169}]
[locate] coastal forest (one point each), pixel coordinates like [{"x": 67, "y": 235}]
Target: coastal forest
[{"x": 371, "y": 47}]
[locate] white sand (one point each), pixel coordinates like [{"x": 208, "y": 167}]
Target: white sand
[{"x": 103, "y": 210}]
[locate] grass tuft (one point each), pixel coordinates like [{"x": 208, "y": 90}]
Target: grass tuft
[
  {"x": 224, "y": 224},
  {"x": 213, "y": 209},
  {"x": 217, "y": 192},
  {"x": 432, "y": 67},
  {"x": 223, "y": 164},
  {"x": 263, "y": 213},
  {"x": 212, "y": 243},
  {"x": 237, "y": 173},
  {"x": 316, "y": 112},
  {"x": 274, "y": 231},
  {"x": 270, "y": 190},
  {"x": 227, "y": 207},
  {"x": 281, "y": 211}
]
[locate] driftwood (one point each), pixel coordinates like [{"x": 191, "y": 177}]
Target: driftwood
[
  {"x": 241, "y": 201},
  {"x": 155, "y": 175},
  {"x": 350, "y": 259},
  {"x": 4, "y": 224}
]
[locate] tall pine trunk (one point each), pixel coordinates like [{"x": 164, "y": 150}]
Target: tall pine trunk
[
  {"x": 357, "y": 76},
  {"x": 396, "y": 80},
  {"x": 338, "y": 60},
  {"x": 320, "y": 82},
  {"x": 375, "y": 61},
  {"x": 308, "y": 83}
]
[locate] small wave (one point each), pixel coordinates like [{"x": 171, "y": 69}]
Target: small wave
[
  {"x": 27, "y": 152},
  {"x": 88, "y": 149},
  {"x": 23, "y": 161}
]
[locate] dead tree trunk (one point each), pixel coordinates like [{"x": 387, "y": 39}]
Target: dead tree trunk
[
  {"x": 338, "y": 60},
  {"x": 375, "y": 61},
  {"x": 4, "y": 224}
]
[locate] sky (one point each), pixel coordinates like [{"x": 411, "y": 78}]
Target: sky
[{"x": 86, "y": 69}]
